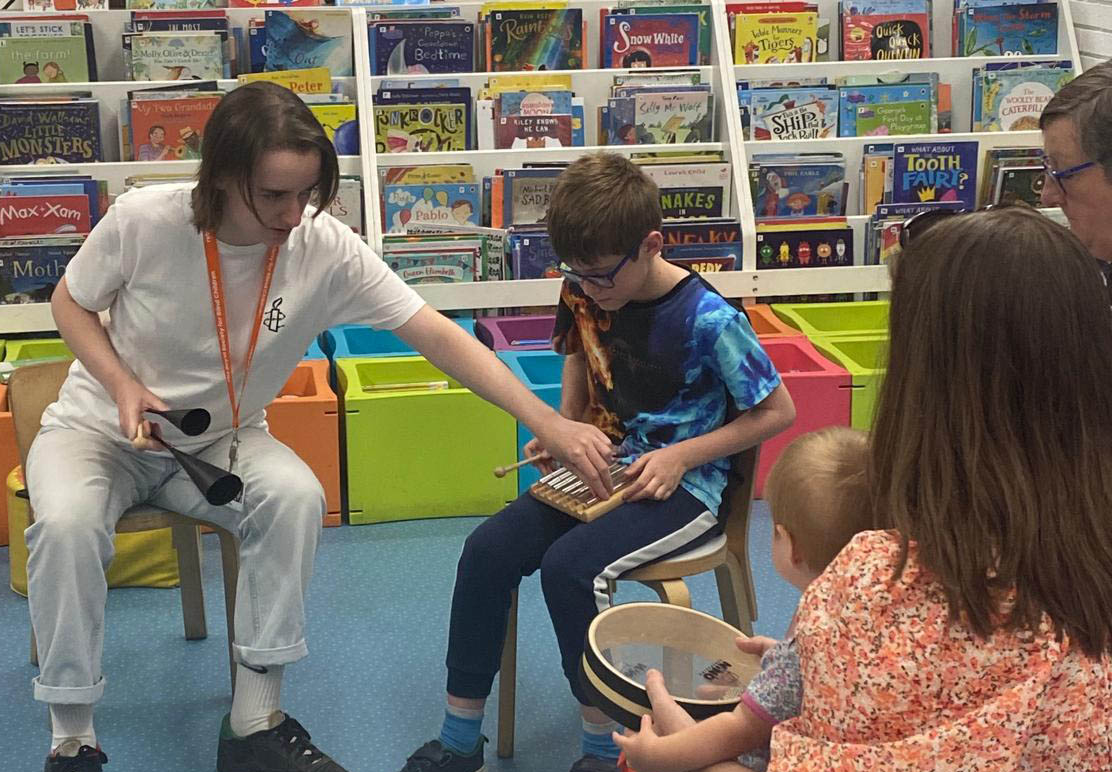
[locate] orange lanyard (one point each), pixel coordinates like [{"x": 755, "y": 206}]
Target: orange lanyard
[{"x": 216, "y": 288}]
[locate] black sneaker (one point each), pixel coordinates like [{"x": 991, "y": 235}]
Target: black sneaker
[
  {"x": 592, "y": 763},
  {"x": 284, "y": 748},
  {"x": 434, "y": 756},
  {"x": 87, "y": 760}
]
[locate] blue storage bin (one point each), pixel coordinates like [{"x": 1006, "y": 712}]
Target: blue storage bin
[
  {"x": 356, "y": 340},
  {"x": 541, "y": 372},
  {"x": 315, "y": 351}
]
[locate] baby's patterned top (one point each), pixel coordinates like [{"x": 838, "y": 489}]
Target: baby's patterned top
[
  {"x": 774, "y": 695},
  {"x": 890, "y": 683}
]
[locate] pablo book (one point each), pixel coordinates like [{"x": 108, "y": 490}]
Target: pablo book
[
  {"x": 299, "y": 40},
  {"x": 40, "y": 215},
  {"x": 50, "y": 132},
  {"x": 31, "y": 267},
  {"x": 435, "y": 203},
  {"x": 647, "y": 40},
  {"x": 935, "y": 171},
  {"x": 418, "y": 47},
  {"x": 534, "y": 39},
  {"x": 886, "y": 29}
]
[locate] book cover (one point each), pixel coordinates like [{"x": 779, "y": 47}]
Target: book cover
[
  {"x": 299, "y": 40},
  {"x": 775, "y": 38},
  {"x": 1009, "y": 30},
  {"x": 651, "y": 40},
  {"x": 41, "y": 215},
  {"x": 850, "y": 98},
  {"x": 707, "y": 261},
  {"x": 555, "y": 102},
  {"x": 436, "y": 203},
  {"x": 185, "y": 56},
  {"x": 314, "y": 80},
  {"x": 527, "y": 131},
  {"x": 434, "y": 267},
  {"x": 673, "y": 118},
  {"x": 425, "y": 128},
  {"x": 673, "y": 178},
  {"x": 535, "y": 39},
  {"x": 789, "y": 114},
  {"x": 886, "y": 29},
  {"x": 704, "y": 232},
  {"x": 59, "y": 59},
  {"x": 347, "y": 206},
  {"x": 1013, "y": 100},
  {"x": 804, "y": 248},
  {"x": 31, "y": 267},
  {"x": 532, "y": 256},
  {"x": 54, "y": 184},
  {"x": 935, "y": 171},
  {"x": 422, "y": 47},
  {"x": 63, "y": 132},
  {"x": 693, "y": 202},
  {"x": 340, "y": 125},
  {"x": 525, "y": 195},
  {"x": 169, "y": 129},
  {"x": 702, "y": 11},
  {"x": 799, "y": 190},
  {"x": 1019, "y": 183},
  {"x": 890, "y": 118}
]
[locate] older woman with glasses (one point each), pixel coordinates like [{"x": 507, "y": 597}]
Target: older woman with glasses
[{"x": 1077, "y": 137}]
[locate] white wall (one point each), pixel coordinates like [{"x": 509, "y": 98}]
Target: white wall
[{"x": 1093, "y": 21}]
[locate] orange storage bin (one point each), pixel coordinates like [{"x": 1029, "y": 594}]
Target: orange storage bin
[
  {"x": 304, "y": 416},
  {"x": 767, "y": 324}
]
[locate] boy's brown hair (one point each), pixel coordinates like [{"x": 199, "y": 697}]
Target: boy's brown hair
[
  {"x": 603, "y": 205},
  {"x": 818, "y": 491},
  {"x": 992, "y": 444},
  {"x": 248, "y": 122}
]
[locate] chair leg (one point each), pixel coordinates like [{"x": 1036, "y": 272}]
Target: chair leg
[
  {"x": 734, "y": 595},
  {"x": 673, "y": 591},
  {"x": 187, "y": 542},
  {"x": 229, "y": 559},
  {"x": 507, "y": 684}
]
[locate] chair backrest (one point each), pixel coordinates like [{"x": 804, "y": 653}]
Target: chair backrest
[{"x": 30, "y": 390}]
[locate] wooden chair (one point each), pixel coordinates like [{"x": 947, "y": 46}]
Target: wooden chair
[
  {"x": 727, "y": 555},
  {"x": 30, "y": 390}
]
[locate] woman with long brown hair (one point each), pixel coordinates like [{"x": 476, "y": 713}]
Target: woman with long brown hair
[{"x": 976, "y": 633}]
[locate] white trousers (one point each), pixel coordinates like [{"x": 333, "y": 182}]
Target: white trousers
[{"x": 80, "y": 483}]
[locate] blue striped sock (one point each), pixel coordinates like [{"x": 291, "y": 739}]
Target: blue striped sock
[
  {"x": 597, "y": 740},
  {"x": 461, "y": 729}
]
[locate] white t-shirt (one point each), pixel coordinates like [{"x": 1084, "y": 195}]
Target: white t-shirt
[{"x": 145, "y": 262}]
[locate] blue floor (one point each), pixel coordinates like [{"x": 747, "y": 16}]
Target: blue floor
[{"x": 371, "y": 690}]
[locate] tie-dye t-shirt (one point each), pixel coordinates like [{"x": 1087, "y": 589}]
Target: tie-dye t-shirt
[{"x": 659, "y": 372}]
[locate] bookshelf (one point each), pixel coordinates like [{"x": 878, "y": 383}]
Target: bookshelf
[{"x": 592, "y": 84}]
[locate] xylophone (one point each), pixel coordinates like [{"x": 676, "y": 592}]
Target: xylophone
[{"x": 564, "y": 491}]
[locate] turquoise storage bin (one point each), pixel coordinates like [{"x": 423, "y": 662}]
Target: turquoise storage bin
[
  {"x": 359, "y": 341},
  {"x": 541, "y": 372}
]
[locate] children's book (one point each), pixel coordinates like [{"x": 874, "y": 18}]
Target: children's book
[
  {"x": 709, "y": 178},
  {"x": 61, "y": 59},
  {"x": 528, "y": 131},
  {"x": 798, "y": 188},
  {"x": 1008, "y": 30},
  {"x": 710, "y": 231},
  {"x": 427, "y": 128},
  {"x": 790, "y": 114},
  {"x": 315, "y": 80},
  {"x": 412, "y": 47},
  {"x": 935, "y": 171},
  {"x": 41, "y": 215},
  {"x": 31, "y": 267},
  {"x": 435, "y": 266},
  {"x": 339, "y": 123},
  {"x": 650, "y": 40},
  {"x": 525, "y": 196},
  {"x": 850, "y": 98},
  {"x": 891, "y": 118},
  {"x": 674, "y": 118},
  {"x": 535, "y": 39},
  {"x": 177, "y": 56},
  {"x": 532, "y": 256},
  {"x": 169, "y": 129},
  {"x": 347, "y": 206},
  {"x": 1013, "y": 100},
  {"x": 437, "y": 203},
  {"x": 692, "y": 202},
  {"x": 886, "y": 29},
  {"x": 705, "y": 258},
  {"x": 702, "y": 11},
  {"x": 298, "y": 40},
  {"x": 50, "y": 132},
  {"x": 828, "y": 244},
  {"x": 775, "y": 37}
]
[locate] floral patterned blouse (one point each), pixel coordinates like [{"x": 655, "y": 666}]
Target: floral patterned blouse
[{"x": 889, "y": 683}]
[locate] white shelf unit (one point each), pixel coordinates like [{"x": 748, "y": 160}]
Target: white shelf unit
[{"x": 593, "y": 84}]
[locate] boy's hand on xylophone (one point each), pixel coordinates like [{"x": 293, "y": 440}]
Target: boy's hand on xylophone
[{"x": 656, "y": 475}]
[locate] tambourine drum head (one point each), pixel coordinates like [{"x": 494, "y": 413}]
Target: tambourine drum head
[{"x": 702, "y": 666}]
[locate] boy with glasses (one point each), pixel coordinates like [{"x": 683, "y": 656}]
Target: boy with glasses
[{"x": 654, "y": 358}]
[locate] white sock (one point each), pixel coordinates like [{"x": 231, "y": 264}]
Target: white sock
[
  {"x": 257, "y": 697},
  {"x": 72, "y": 722}
]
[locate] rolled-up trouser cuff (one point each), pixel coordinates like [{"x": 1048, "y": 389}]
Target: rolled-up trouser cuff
[
  {"x": 68, "y": 695},
  {"x": 263, "y": 657}
]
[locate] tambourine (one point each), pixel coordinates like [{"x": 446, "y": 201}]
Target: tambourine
[{"x": 702, "y": 667}]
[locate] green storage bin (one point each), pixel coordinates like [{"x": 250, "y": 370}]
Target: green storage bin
[
  {"x": 420, "y": 452},
  {"x": 861, "y": 319},
  {"x": 866, "y": 358},
  {"x": 36, "y": 348}
]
